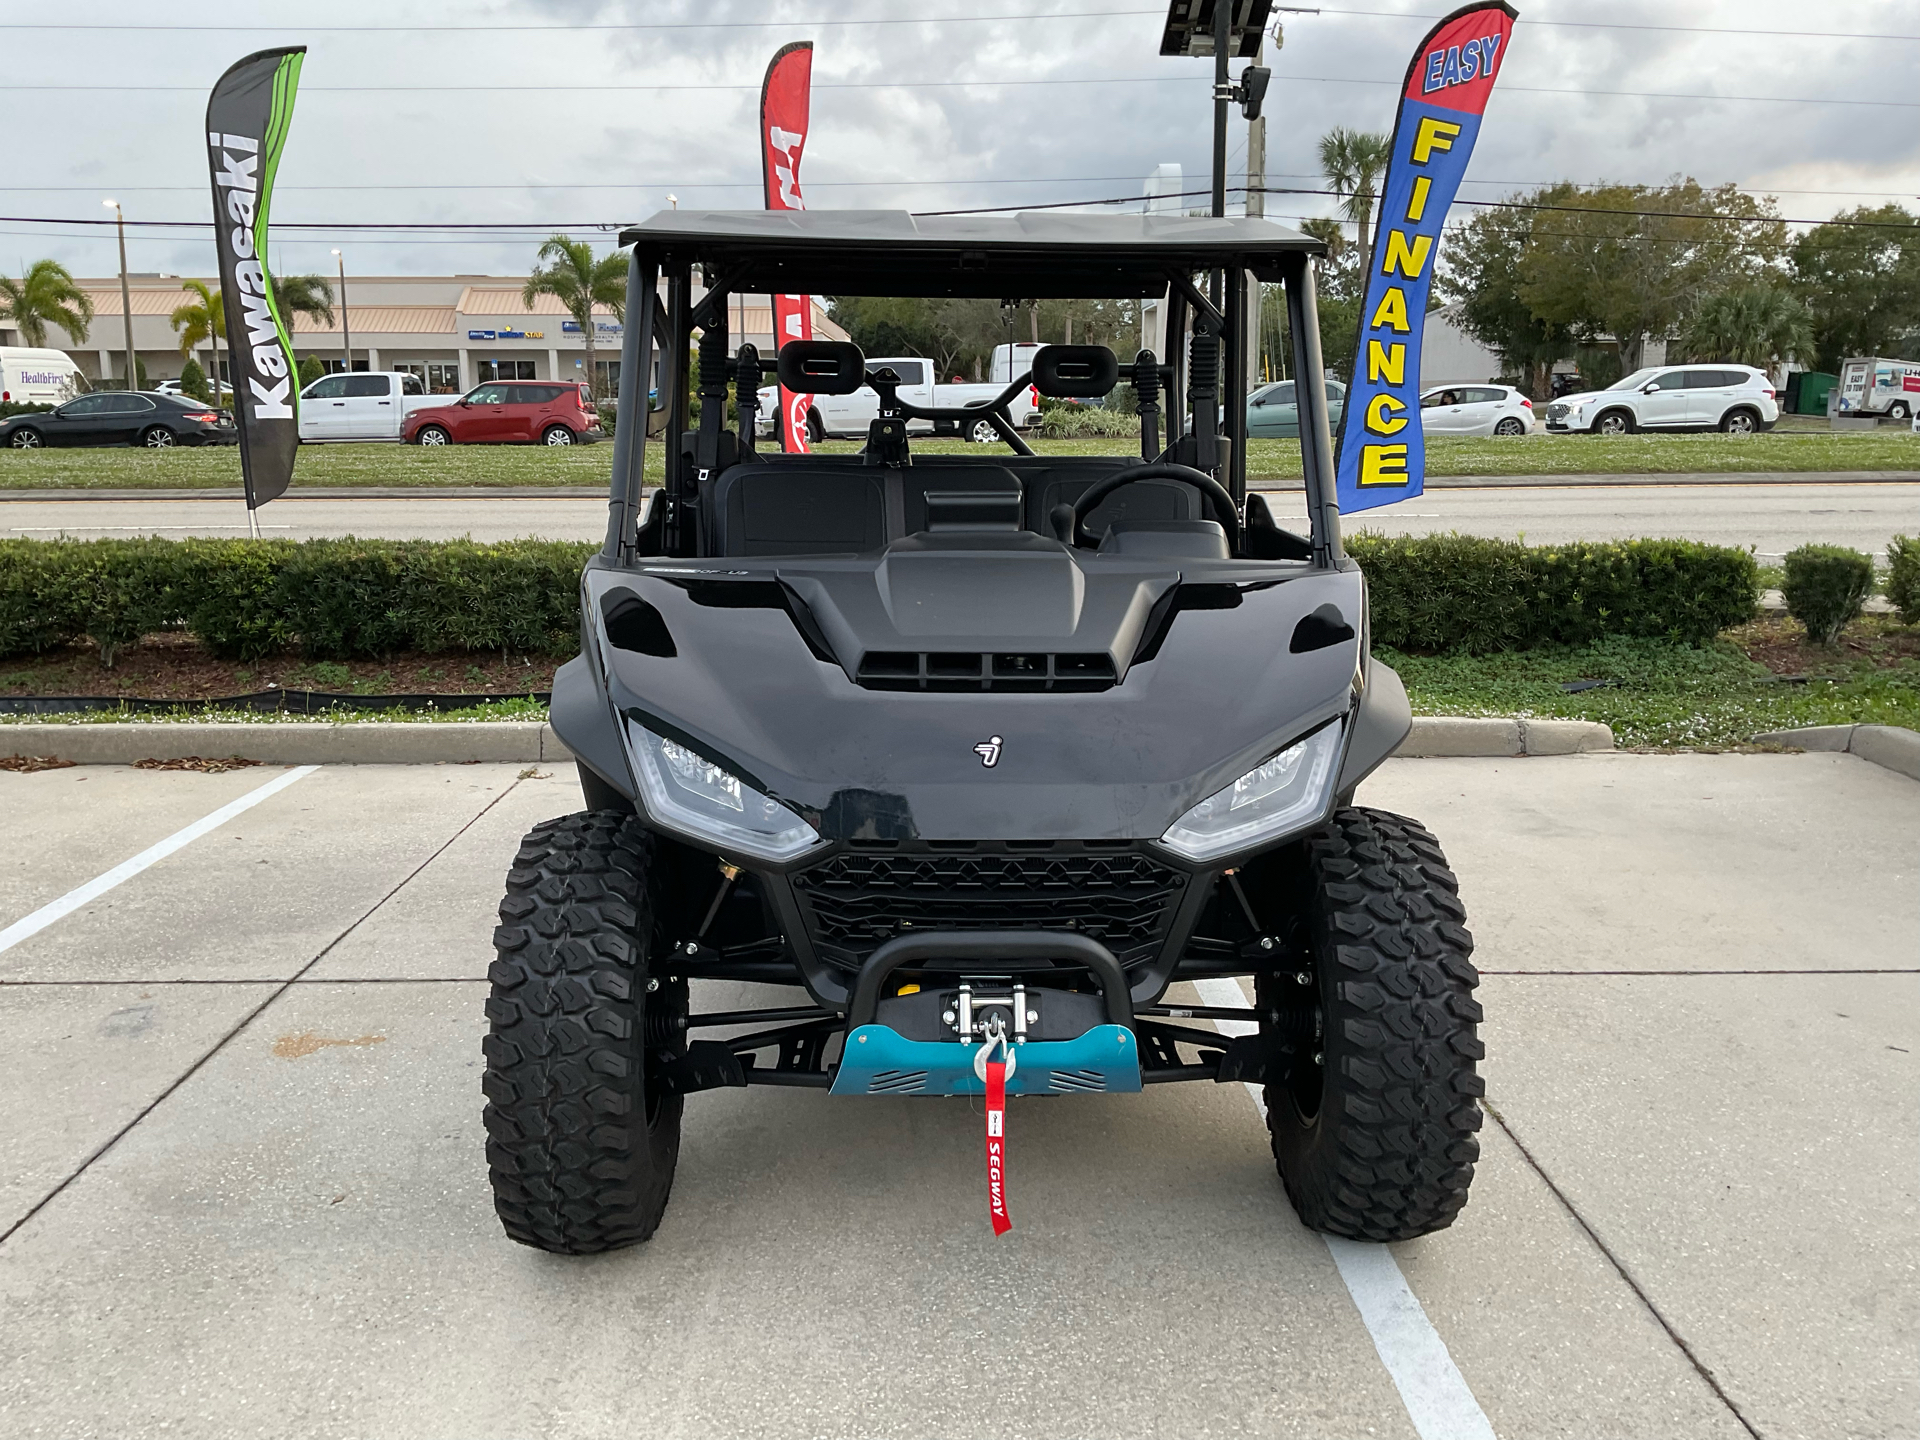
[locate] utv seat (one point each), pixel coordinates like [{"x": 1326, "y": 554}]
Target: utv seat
[
  {"x": 795, "y": 509},
  {"x": 807, "y": 506}
]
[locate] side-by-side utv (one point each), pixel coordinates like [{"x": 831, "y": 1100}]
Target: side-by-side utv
[{"x": 979, "y": 752}]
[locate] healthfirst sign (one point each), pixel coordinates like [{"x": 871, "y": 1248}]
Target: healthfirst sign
[{"x": 1382, "y": 454}]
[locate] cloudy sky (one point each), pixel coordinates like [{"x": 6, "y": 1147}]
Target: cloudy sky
[{"x": 551, "y": 113}]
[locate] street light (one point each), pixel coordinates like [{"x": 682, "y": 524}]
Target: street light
[
  {"x": 126, "y": 298},
  {"x": 1225, "y": 30},
  {"x": 346, "y": 335}
]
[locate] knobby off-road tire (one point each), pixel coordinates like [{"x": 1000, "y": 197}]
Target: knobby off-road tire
[
  {"x": 1377, "y": 1142},
  {"x": 581, "y": 1155}
]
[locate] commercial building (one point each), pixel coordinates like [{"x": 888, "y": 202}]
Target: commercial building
[{"x": 452, "y": 331}]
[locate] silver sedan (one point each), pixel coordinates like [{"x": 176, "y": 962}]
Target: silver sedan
[{"x": 1476, "y": 410}]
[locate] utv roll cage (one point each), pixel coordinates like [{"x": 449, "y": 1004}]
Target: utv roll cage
[{"x": 1198, "y": 269}]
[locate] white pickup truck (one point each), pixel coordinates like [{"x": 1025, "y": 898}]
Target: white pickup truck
[
  {"x": 847, "y": 416},
  {"x": 366, "y": 405}
]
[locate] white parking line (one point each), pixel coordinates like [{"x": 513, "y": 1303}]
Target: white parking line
[
  {"x": 1436, "y": 1395},
  {"x": 71, "y": 901}
]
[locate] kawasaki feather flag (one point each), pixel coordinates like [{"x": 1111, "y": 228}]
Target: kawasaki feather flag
[
  {"x": 1382, "y": 455},
  {"x": 247, "y": 118}
]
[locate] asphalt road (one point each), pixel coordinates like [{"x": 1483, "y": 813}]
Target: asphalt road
[
  {"x": 245, "y": 1190},
  {"x": 1774, "y": 517}
]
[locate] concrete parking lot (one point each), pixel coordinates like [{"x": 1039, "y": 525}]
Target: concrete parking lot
[{"x": 246, "y": 1194}]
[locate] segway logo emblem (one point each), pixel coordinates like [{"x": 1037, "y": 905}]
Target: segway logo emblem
[{"x": 989, "y": 752}]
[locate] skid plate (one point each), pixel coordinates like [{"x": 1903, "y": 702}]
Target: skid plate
[{"x": 879, "y": 1060}]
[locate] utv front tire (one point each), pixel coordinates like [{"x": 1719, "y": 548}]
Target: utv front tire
[
  {"x": 1376, "y": 1140},
  {"x": 580, "y": 1146}
]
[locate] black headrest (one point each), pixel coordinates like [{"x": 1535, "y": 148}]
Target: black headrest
[
  {"x": 821, "y": 367},
  {"x": 1083, "y": 372}
]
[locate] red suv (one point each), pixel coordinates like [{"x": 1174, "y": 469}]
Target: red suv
[{"x": 503, "y": 412}]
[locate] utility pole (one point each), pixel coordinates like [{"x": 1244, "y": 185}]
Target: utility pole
[
  {"x": 126, "y": 296},
  {"x": 1222, "y": 97},
  {"x": 1256, "y": 209},
  {"x": 346, "y": 335}
]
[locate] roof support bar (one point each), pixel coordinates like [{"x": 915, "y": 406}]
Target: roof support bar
[
  {"x": 1310, "y": 395},
  {"x": 1235, "y": 396},
  {"x": 677, "y": 531},
  {"x": 629, "y": 437}
]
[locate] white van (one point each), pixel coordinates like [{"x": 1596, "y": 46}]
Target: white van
[{"x": 38, "y": 377}]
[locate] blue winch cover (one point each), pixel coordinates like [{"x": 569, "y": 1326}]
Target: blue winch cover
[{"x": 879, "y": 1060}]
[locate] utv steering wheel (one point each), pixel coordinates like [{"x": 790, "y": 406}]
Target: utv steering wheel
[{"x": 1211, "y": 490}]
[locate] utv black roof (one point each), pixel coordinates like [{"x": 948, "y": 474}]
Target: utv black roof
[{"x": 893, "y": 252}]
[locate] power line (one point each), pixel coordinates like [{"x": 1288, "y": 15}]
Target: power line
[
  {"x": 1529, "y": 21},
  {"x": 1191, "y": 79},
  {"x": 755, "y": 185},
  {"x": 570, "y": 28},
  {"x": 591, "y": 26}
]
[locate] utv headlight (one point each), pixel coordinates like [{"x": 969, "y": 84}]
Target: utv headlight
[
  {"x": 686, "y": 792},
  {"x": 1280, "y": 796}
]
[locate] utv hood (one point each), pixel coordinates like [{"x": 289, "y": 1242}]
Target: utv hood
[{"x": 867, "y": 694}]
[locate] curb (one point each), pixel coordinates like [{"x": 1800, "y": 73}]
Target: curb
[
  {"x": 1891, "y": 746},
  {"x": 1254, "y": 482},
  {"x": 1672, "y": 478},
  {"x": 533, "y": 742},
  {"x": 332, "y": 492},
  {"x": 1452, "y": 736},
  {"x": 294, "y": 742}
]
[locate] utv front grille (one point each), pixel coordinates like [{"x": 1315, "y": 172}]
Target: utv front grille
[
  {"x": 1105, "y": 890},
  {"x": 954, "y": 670}
]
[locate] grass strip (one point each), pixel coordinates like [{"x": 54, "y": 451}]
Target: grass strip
[
  {"x": 404, "y": 466},
  {"x": 1661, "y": 694}
]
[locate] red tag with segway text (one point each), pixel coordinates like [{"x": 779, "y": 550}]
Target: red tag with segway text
[{"x": 997, "y": 1146}]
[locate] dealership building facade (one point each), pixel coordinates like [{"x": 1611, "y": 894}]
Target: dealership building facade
[{"x": 452, "y": 331}]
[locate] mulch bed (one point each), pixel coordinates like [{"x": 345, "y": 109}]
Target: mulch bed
[
  {"x": 176, "y": 667},
  {"x": 1871, "y": 642}
]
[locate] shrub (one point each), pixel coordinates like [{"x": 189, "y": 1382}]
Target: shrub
[
  {"x": 1068, "y": 422},
  {"x": 193, "y": 381},
  {"x": 311, "y": 369},
  {"x": 11, "y": 408},
  {"x": 1825, "y": 587},
  {"x": 1462, "y": 592},
  {"x": 1903, "y": 577},
  {"x": 359, "y": 599}
]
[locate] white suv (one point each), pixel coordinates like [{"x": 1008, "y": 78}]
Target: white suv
[{"x": 1735, "y": 398}]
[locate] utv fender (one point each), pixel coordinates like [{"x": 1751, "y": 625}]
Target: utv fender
[
  {"x": 1381, "y": 723},
  {"x": 581, "y": 717}
]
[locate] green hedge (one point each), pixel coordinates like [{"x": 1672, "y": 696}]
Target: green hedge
[
  {"x": 1903, "y": 577},
  {"x": 355, "y": 599},
  {"x": 1434, "y": 593},
  {"x": 330, "y": 599}
]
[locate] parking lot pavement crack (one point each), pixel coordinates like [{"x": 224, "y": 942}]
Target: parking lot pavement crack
[
  {"x": 280, "y": 988},
  {"x": 1620, "y": 1268}
]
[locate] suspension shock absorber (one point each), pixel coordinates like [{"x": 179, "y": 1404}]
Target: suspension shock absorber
[
  {"x": 1203, "y": 390},
  {"x": 1146, "y": 394}
]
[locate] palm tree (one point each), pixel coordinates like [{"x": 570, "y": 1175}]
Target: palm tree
[
  {"x": 46, "y": 293},
  {"x": 1755, "y": 325},
  {"x": 1353, "y": 162},
  {"x": 198, "y": 321},
  {"x": 579, "y": 282},
  {"x": 309, "y": 295}
]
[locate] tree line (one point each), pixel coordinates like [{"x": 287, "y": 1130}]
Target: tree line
[{"x": 1551, "y": 273}]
